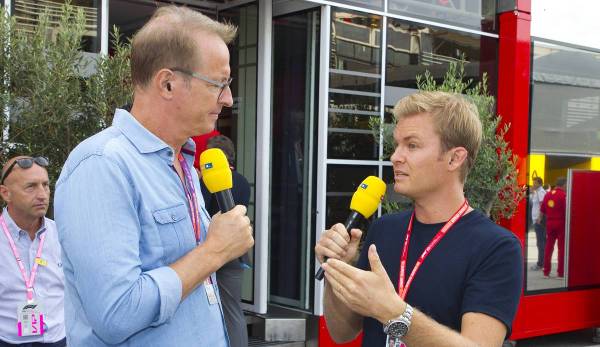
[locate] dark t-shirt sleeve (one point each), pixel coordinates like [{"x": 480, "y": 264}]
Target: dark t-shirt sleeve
[{"x": 494, "y": 285}]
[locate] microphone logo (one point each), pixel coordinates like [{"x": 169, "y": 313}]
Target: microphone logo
[
  {"x": 208, "y": 166},
  {"x": 364, "y": 186}
]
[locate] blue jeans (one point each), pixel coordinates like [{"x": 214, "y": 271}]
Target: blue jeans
[{"x": 540, "y": 235}]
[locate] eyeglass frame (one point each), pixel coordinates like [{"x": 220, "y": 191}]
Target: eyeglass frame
[
  {"x": 221, "y": 85},
  {"x": 34, "y": 160}
]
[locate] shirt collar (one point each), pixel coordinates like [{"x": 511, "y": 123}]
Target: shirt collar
[
  {"x": 14, "y": 229},
  {"x": 144, "y": 140}
]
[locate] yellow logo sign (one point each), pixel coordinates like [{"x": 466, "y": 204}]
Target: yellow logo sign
[{"x": 551, "y": 203}]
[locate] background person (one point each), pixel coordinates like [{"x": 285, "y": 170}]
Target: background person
[
  {"x": 229, "y": 277},
  {"x": 554, "y": 207},
  {"x": 536, "y": 197},
  {"x": 25, "y": 188}
]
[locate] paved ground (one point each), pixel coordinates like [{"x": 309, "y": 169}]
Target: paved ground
[{"x": 535, "y": 279}]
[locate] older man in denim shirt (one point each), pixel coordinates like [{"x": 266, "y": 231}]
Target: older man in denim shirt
[{"x": 139, "y": 252}]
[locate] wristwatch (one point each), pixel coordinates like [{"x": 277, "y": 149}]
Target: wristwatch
[{"x": 398, "y": 327}]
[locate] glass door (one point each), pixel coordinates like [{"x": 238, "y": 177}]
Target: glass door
[{"x": 295, "y": 58}]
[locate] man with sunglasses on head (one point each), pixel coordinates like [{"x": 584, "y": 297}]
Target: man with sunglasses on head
[
  {"x": 31, "y": 276},
  {"x": 141, "y": 250}
]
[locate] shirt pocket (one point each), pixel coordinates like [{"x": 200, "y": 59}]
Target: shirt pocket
[{"x": 170, "y": 222}]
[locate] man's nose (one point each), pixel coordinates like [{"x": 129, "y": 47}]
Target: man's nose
[
  {"x": 397, "y": 156},
  {"x": 226, "y": 97},
  {"x": 42, "y": 193}
]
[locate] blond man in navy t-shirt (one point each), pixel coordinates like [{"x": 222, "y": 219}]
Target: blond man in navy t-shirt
[{"x": 442, "y": 274}]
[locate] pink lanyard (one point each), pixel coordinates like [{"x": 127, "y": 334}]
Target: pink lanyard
[
  {"x": 402, "y": 287},
  {"x": 28, "y": 282},
  {"x": 190, "y": 193}
]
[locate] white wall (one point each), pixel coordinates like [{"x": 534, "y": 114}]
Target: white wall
[{"x": 574, "y": 21}]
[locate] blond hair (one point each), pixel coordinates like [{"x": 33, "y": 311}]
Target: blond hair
[
  {"x": 456, "y": 121},
  {"x": 168, "y": 40}
]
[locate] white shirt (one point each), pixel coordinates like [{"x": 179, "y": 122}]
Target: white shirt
[
  {"x": 536, "y": 197},
  {"x": 48, "y": 287}
]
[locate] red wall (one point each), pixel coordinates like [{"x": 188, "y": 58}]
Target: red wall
[{"x": 584, "y": 234}]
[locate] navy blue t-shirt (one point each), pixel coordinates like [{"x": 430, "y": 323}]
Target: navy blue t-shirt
[{"x": 476, "y": 267}]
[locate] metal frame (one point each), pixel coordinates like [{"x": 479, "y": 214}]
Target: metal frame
[
  {"x": 104, "y": 29},
  {"x": 567, "y": 227},
  {"x": 263, "y": 155},
  {"x": 382, "y": 96},
  {"x": 353, "y": 92},
  {"x": 355, "y": 73},
  {"x": 308, "y": 256},
  {"x": 322, "y": 143},
  {"x": 408, "y": 18}
]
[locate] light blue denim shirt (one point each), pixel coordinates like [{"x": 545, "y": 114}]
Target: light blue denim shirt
[
  {"x": 122, "y": 217},
  {"x": 48, "y": 287}
]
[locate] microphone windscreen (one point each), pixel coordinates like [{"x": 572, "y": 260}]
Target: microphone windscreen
[
  {"x": 367, "y": 197},
  {"x": 215, "y": 169}
]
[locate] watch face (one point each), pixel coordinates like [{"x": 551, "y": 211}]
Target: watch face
[{"x": 397, "y": 329}]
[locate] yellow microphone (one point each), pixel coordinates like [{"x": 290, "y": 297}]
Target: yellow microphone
[
  {"x": 364, "y": 203},
  {"x": 217, "y": 177}
]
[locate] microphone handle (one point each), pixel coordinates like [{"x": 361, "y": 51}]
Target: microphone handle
[
  {"x": 226, "y": 204},
  {"x": 351, "y": 221},
  {"x": 225, "y": 200},
  {"x": 353, "y": 218}
]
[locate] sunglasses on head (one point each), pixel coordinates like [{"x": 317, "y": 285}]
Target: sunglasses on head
[{"x": 24, "y": 163}]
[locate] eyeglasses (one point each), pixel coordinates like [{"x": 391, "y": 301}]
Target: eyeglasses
[
  {"x": 24, "y": 163},
  {"x": 220, "y": 85}
]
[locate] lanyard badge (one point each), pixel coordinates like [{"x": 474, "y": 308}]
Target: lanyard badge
[
  {"x": 393, "y": 342},
  {"x": 211, "y": 294},
  {"x": 199, "y": 229},
  {"x": 30, "y": 319}
]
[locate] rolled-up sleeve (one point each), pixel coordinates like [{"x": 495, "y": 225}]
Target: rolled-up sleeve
[
  {"x": 96, "y": 211},
  {"x": 169, "y": 290}
]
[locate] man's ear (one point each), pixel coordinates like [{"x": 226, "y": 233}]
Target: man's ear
[
  {"x": 458, "y": 156},
  {"x": 163, "y": 83},
  {"x": 5, "y": 193}
]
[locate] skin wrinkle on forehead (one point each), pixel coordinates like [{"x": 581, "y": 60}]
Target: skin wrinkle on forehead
[{"x": 9, "y": 163}]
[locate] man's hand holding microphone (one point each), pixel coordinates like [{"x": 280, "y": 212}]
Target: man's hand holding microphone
[
  {"x": 342, "y": 240},
  {"x": 230, "y": 232}
]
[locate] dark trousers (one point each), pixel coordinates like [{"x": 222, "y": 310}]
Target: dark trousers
[
  {"x": 555, "y": 232},
  {"x": 540, "y": 237},
  {"x": 61, "y": 343}
]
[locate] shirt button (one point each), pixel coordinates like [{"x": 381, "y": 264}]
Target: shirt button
[{"x": 173, "y": 217}]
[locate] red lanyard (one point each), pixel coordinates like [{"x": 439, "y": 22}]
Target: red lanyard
[
  {"x": 190, "y": 193},
  {"x": 28, "y": 282},
  {"x": 403, "y": 287}
]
